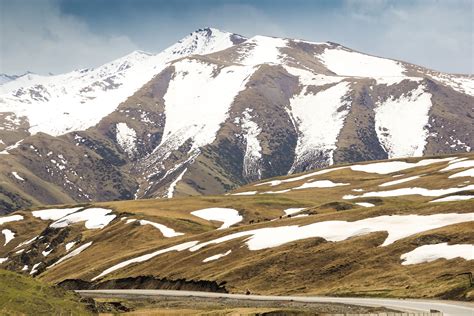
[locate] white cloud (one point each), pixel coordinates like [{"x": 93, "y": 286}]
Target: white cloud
[{"x": 36, "y": 36}]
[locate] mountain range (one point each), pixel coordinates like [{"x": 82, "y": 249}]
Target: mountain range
[{"x": 216, "y": 111}]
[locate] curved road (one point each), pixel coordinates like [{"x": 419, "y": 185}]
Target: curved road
[{"x": 451, "y": 308}]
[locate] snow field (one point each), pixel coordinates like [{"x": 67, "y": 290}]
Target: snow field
[
  {"x": 397, "y": 227},
  {"x": 80, "y": 99},
  {"x": 263, "y": 50},
  {"x": 206, "y": 92},
  {"x": 401, "y": 123},
  {"x": 354, "y": 64},
  {"x": 319, "y": 119}
]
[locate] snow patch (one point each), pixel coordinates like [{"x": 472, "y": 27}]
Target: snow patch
[
  {"x": 27, "y": 242},
  {"x": 173, "y": 184},
  {"x": 397, "y": 227},
  {"x": 9, "y": 235},
  {"x": 245, "y": 193},
  {"x": 428, "y": 253},
  {"x": 293, "y": 210},
  {"x": 263, "y": 50},
  {"x": 54, "y": 214},
  {"x": 253, "y": 150},
  {"x": 165, "y": 230},
  {"x": 11, "y": 218},
  {"x": 34, "y": 269},
  {"x": 354, "y": 64},
  {"x": 386, "y": 184},
  {"x": 218, "y": 256},
  {"x": 387, "y": 167},
  {"x": 465, "y": 173},
  {"x": 271, "y": 183},
  {"x": 146, "y": 257},
  {"x": 452, "y": 198},
  {"x": 17, "y": 176},
  {"x": 73, "y": 253},
  {"x": 127, "y": 139},
  {"x": 94, "y": 218},
  {"x": 459, "y": 164},
  {"x": 411, "y": 191},
  {"x": 69, "y": 245},
  {"x": 319, "y": 184},
  {"x": 365, "y": 204},
  {"x": 227, "y": 216}
]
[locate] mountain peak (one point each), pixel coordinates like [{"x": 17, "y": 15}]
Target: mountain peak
[{"x": 204, "y": 41}]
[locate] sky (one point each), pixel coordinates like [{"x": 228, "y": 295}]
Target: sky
[{"x": 56, "y": 36}]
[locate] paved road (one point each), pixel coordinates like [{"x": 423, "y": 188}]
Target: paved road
[{"x": 449, "y": 308}]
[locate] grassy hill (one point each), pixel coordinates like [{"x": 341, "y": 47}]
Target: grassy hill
[
  {"x": 20, "y": 295},
  {"x": 367, "y": 229}
]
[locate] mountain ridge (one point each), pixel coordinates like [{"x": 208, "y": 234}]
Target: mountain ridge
[{"x": 245, "y": 110}]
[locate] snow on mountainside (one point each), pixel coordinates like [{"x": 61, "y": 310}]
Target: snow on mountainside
[
  {"x": 19, "y": 79},
  {"x": 79, "y": 99},
  {"x": 216, "y": 110},
  {"x": 4, "y": 78}
]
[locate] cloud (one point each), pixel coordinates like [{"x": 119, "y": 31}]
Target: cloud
[
  {"x": 436, "y": 34},
  {"x": 37, "y": 37}
]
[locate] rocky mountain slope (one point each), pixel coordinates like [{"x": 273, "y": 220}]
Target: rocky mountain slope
[
  {"x": 398, "y": 228},
  {"x": 216, "y": 111}
]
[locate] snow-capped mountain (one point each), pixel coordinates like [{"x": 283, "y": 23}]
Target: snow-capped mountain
[
  {"x": 216, "y": 110},
  {"x": 4, "y": 78},
  {"x": 79, "y": 99}
]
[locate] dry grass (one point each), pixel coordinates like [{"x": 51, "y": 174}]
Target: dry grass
[{"x": 357, "y": 266}]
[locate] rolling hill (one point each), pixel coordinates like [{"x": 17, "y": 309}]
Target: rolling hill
[{"x": 392, "y": 228}]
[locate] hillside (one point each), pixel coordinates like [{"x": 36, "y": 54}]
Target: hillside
[
  {"x": 396, "y": 228},
  {"x": 216, "y": 111},
  {"x": 20, "y": 295}
]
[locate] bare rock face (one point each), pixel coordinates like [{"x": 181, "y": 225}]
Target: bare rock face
[{"x": 216, "y": 111}]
